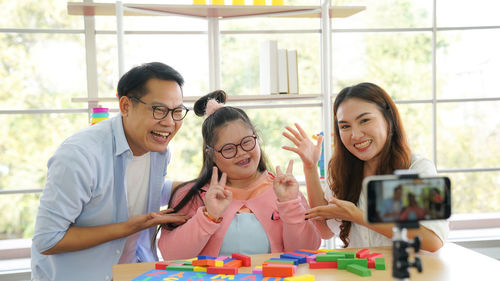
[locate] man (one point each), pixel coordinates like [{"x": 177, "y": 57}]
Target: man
[
  {"x": 105, "y": 184},
  {"x": 393, "y": 205}
]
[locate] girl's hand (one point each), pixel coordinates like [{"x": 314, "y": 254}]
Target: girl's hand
[
  {"x": 217, "y": 198},
  {"x": 285, "y": 186},
  {"x": 340, "y": 209},
  {"x": 308, "y": 152}
]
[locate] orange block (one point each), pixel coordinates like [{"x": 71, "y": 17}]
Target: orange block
[
  {"x": 277, "y": 271},
  {"x": 235, "y": 263}
]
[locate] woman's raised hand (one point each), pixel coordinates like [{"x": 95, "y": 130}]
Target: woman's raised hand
[
  {"x": 285, "y": 185},
  {"x": 308, "y": 152},
  {"x": 217, "y": 198}
]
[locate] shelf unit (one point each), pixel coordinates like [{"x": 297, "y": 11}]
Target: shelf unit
[{"x": 213, "y": 14}]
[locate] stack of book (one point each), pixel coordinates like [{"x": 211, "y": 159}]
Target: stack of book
[{"x": 278, "y": 69}]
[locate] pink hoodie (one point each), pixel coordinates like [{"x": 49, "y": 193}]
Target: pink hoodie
[{"x": 200, "y": 236}]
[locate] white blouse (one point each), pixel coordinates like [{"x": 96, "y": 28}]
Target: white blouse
[{"x": 362, "y": 237}]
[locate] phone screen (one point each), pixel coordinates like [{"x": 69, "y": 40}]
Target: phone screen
[{"x": 408, "y": 199}]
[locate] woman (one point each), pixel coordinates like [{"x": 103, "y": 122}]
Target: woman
[
  {"x": 235, "y": 203},
  {"x": 369, "y": 139}
]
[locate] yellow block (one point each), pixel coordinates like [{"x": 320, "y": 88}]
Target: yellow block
[
  {"x": 199, "y": 2},
  {"x": 304, "y": 277},
  {"x": 258, "y": 266},
  {"x": 219, "y": 263},
  {"x": 200, "y": 269},
  {"x": 238, "y": 2},
  {"x": 217, "y": 2},
  {"x": 278, "y": 2},
  {"x": 259, "y": 2}
]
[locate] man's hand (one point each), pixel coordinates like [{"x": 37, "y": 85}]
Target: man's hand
[{"x": 140, "y": 222}]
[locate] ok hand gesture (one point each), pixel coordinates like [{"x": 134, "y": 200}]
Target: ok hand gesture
[
  {"x": 217, "y": 199},
  {"x": 285, "y": 186},
  {"x": 308, "y": 152}
]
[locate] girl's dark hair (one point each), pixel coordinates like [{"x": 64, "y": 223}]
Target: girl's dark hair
[
  {"x": 345, "y": 171},
  {"x": 210, "y": 131}
]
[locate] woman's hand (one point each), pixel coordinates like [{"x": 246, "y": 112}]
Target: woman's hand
[
  {"x": 339, "y": 209},
  {"x": 285, "y": 185},
  {"x": 308, "y": 152},
  {"x": 217, "y": 198}
]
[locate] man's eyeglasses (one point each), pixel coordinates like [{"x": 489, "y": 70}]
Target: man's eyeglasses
[
  {"x": 229, "y": 150},
  {"x": 160, "y": 111}
]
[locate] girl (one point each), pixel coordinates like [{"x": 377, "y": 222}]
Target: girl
[
  {"x": 369, "y": 139},
  {"x": 235, "y": 203}
]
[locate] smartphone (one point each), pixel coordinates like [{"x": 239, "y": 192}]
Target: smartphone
[{"x": 392, "y": 198}]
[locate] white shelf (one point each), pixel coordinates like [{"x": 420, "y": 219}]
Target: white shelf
[
  {"x": 207, "y": 11},
  {"x": 238, "y": 98}
]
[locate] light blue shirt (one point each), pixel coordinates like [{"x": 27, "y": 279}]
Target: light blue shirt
[
  {"x": 246, "y": 236},
  {"x": 85, "y": 186}
]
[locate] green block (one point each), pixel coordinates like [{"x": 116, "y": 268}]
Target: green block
[
  {"x": 183, "y": 262},
  {"x": 342, "y": 263},
  {"x": 359, "y": 270},
  {"x": 379, "y": 263},
  {"x": 329, "y": 257},
  {"x": 350, "y": 255},
  {"x": 180, "y": 267}
]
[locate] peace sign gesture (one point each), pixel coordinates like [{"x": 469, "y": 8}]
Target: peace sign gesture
[
  {"x": 308, "y": 152},
  {"x": 217, "y": 198},
  {"x": 285, "y": 185}
]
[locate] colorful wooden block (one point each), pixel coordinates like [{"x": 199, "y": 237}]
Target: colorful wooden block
[
  {"x": 222, "y": 270},
  {"x": 359, "y": 270},
  {"x": 206, "y": 258},
  {"x": 277, "y": 271},
  {"x": 180, "y": 267},
  {"x": 342, "y": 263},
  {"x": 330, "y": 257},
  {"x": 303, "y": 252},
  {"x": 379, "y": 263},
  {"x": 362, "y": 254},
  {"x": 200, "y": 269},
  {"x": 371, "y": 263},
  {"x": 234, "y": 263},
  {"x": 304, "y": 277},
  {"x": 322, "y": 264},
  {"x": 372, "y": 256},
  {"x": 246, "y": 260},
  {"x": 297, "y": 254},
  {"x": 292, "y": 257},
  {"x": 310, "y": 251},
  {"x": 311, "y": 258},
  {"x": 257, "y": 270}
]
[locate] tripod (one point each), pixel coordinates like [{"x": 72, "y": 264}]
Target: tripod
[{"x": 400, "y": 244}]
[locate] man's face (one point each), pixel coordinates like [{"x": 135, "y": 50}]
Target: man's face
[{"x": 143, "y": 132}]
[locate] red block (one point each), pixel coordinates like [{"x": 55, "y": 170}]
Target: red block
[
  {"x": 309, "y": 251},
  {"x": 372, "y": 256},
  {"x": 222, "y": 270},
  {"x": 246, "y": 260},
  {"x": 234, "y": 263},
  {"x": 362, "y": 254},
  {"x": 371, "y": 263},
  {"x": 322, "y": 264},
  {"x": 277, "y": 271}
]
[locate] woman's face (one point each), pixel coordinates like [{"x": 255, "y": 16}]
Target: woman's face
[
  {"x": 244, "y": 164},
  {"x": 362, "y": 128}
]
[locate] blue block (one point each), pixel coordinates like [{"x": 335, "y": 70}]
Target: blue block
[
  {"x": 304, "y": 253},
  {"x": 206, "y": 258},
  {"x": 292, "y": 257},
  {"x": 228, "y": 260}
]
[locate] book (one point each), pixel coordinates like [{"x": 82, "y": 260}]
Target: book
[
  {"x": 293, "y": 72},
  {"x": 269, "y": 67},
  {"x": 282, "y": 71}
]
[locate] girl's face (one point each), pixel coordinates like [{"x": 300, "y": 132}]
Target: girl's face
[
  {"x": 244, "y": 163},
  {"x": 362, "y": 127}
]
